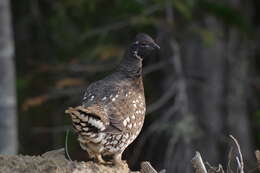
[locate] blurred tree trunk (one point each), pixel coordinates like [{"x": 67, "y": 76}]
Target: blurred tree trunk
[
  {"x": 8, "y": 129},
  {"x": 209, "y": 67},
  {"x": 239, "y": 54},
  {"x": 208, "y": 98},
  {"x": 199, "y": 72}
]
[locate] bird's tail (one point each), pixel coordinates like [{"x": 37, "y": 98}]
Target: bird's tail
[{"x": 84, "y": 120}]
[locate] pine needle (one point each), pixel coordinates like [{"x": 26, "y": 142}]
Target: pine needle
[{"x": 66, "y": 144}]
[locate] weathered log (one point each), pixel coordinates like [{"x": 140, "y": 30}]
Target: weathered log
[
  {"x": 55, "y": 162},
  {"x": 197, "y": 164}
]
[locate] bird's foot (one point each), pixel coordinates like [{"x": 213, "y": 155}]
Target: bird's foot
[
  {"x": 121, "y": 163},
  {"x": 99, "y": 159},
  {"x": 118, "y": 162}
]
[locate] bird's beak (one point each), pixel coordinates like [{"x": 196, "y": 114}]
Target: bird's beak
[{"x": 156, "y": 46}]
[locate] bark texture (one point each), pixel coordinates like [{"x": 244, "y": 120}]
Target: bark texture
[
  {"x": 55, "y": 162},
  {"x": 8, "y": 133}
]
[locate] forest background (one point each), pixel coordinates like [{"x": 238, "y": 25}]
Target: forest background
[{"x": 202, "y": 87}]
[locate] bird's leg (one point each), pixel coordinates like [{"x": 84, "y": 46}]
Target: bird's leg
[
  {"x": 100, "y": 159},
  {"x": 118, "y": 159}
]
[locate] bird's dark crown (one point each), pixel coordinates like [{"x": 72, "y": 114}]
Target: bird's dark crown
[{"x": 142, "y": 37}]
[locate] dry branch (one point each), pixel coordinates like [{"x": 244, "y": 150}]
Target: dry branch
[
  {"x": 212, "y": 169},
  {"x": 257, "y": 155},
  {"x": 146, "y": 167},
  {"x": 236, "y": 157},
  {"x": 239, "y": 158},
  {"x": 197, "y": 164}
]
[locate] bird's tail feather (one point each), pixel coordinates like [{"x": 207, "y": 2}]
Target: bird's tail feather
[{"x": 85, "y": 120}]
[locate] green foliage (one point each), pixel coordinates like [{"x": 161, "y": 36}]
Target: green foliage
[
  {"x": 229, "y": 15},
  {"x": 185, "y": 7},
  {"x": 257, "y": 117},
  {"x": 207, "y": 36},
  {"x": 21, "y": 83}
]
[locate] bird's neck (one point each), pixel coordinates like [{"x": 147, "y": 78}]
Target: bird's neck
[{"x": 131, "y": 65}]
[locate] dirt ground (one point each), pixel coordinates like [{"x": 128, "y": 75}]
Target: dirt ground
[{"x": 53, "y": 162}]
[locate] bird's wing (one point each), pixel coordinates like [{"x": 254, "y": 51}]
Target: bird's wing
[
  {"x": 99, "y": 100},
  {"x": 97, "y": 118},
  {"x": 93, "y": 115},
  {"x": 94, "y": 111},
  {"x": 115, "y": 125}
]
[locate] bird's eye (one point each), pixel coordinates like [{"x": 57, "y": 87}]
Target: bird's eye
[{"x": 143, "y": 45}]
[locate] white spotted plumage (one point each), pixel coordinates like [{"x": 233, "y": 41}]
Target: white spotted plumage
[{"x": 113, "y": 109}]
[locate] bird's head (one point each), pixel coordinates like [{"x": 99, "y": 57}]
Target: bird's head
[{"x": 143, "y": 46}]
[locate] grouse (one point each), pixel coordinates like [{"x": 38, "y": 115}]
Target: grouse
[{"x": 113, "y": 109}]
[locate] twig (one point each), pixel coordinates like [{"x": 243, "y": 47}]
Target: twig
[
  {"x": 239, "y": 164},
  {"x": 66, "y": 144},
  {"x": 163, "y": 171},
  {"x": 155, "y": 127},
  {"x": 154, "y": 67},
  {"x": 239, "y": 159},
  {"x": 163, "y": 100},
  {"x": 89, "y": 68},
  {"x": 56, "y": 129},
  {"x": 51, "y": 95},
  {"x": 197, "y": 164},
  {"x": 182, "y": 84},
  {"x": 146, "y": 167},
  {"x": 170, "y": 148},
  {"x": 257, "y": 155},
  {"x": 59, "y": 153},
  {"x": 212, "y": 169},
  {"x": 220, "y": 169},
  {"x": 121, "y": 24},
  {"x": 169, "y": 12},
  {"x": 229, "y": 170}
]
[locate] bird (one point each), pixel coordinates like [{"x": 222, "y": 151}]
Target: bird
[{"x": 113, "y": 109}]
